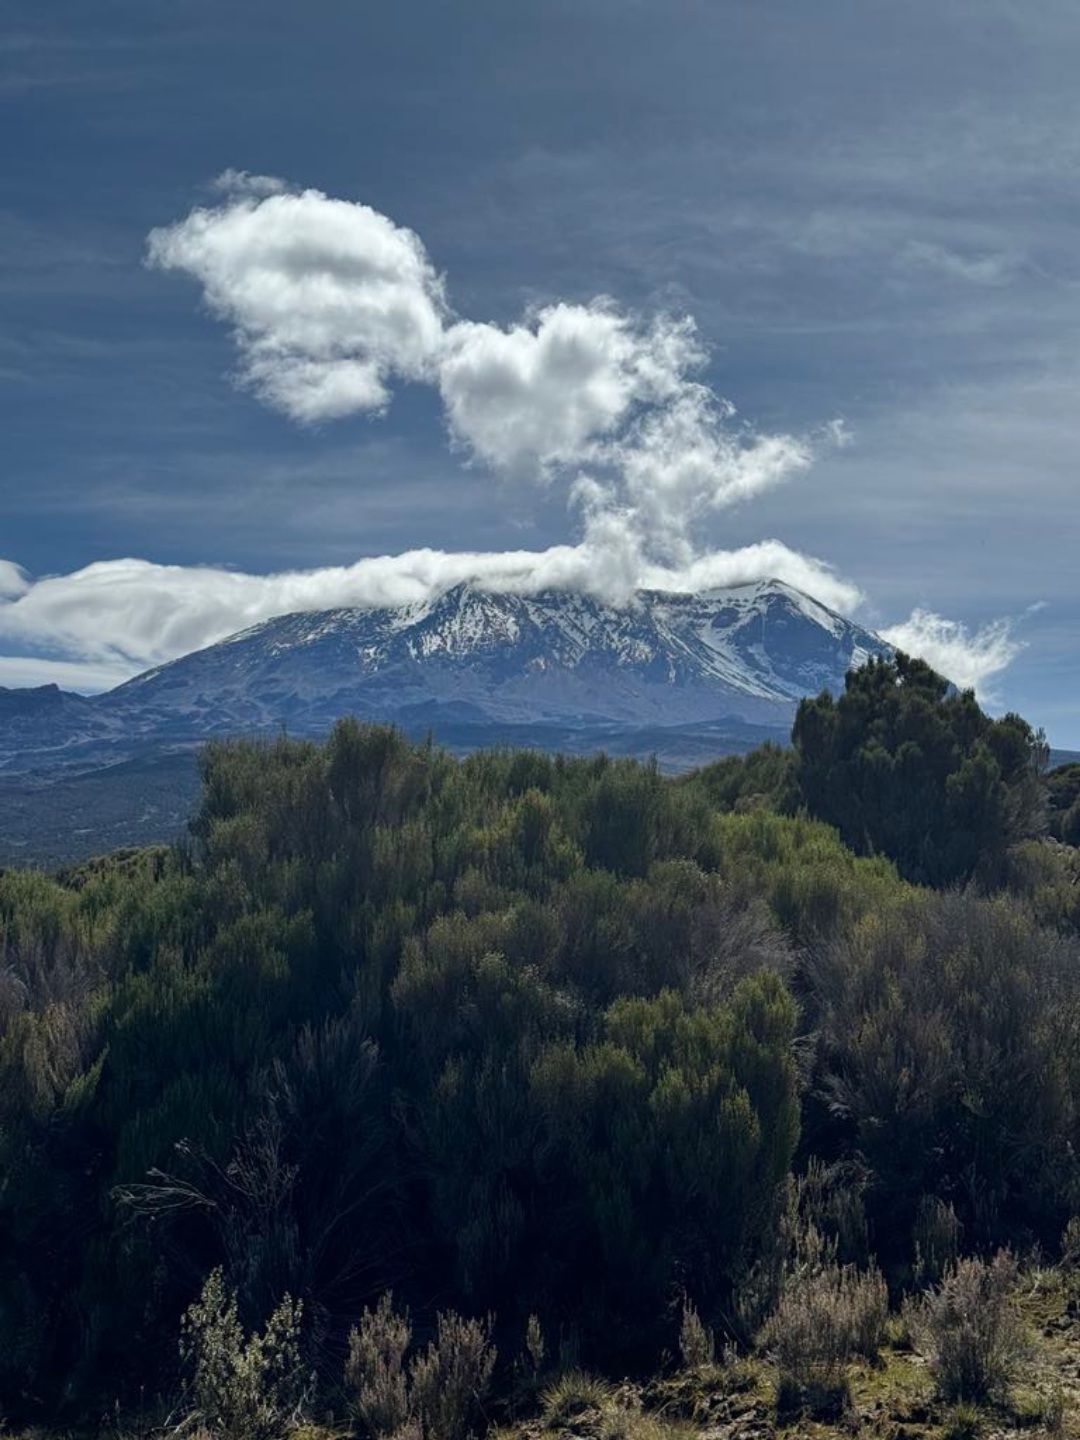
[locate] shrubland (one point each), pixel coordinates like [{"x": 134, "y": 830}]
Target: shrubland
[{"x": 411, "y": 1088}]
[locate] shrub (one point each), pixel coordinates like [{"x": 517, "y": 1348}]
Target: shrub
[
  {"x": 696, "y": 1345},
  {"x": 375, "y": 1368},
  {"x": 963, "y": 1422},
  {"x": 535, "y": 1346},
  {"x": 970, "y": 1331},
  {"x": 936, "y": 1239},
  {"x": 448, "y": 1382},
  {"x": 824, "y": 1318},
  {"x": 242, "y": 1387},
  {"x": 437, "y": 1394}
]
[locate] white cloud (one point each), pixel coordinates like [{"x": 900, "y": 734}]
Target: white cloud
[
  {"x": 541, "y": 393},
  {"x": 330, "y": 300},
  {"x": 969, "y": 658},
  {"x": 118, "y": 617},
  {"x": 14, "y": 580}
]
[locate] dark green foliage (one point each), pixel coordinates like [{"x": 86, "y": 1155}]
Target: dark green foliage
[
  {"x": 949, "y": 1033},
  {"x": 1063, "y": 795},
  {"x": 341, "y": 1045},
  {"x": 904, "y": 767},
  {"x": 532, "y": 1037}
]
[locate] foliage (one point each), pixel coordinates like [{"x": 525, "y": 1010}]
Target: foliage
[
  {"x": 970, "y": 1329},
  {"x": 435, "y": 1395},
  {"x": 697, "y": 1347},
  {"x": 904, "y": 767},
  {"x": 826, "y": 1316},
  {"x": 518, "y": 1035},
  {"x": 375, "y": 1368},
  {"x": 242, "y": 1386},
  {"x": 1063, "y": 798},
  {"x": 949, "y": 1052}
]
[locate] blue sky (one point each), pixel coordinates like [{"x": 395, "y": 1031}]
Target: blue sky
[{"x": 870, "y": 210}]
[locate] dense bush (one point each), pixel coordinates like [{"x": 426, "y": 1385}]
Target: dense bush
[
  {"x": 241, "y": 1387},
  {"x": 513, "y": 1031},
  {"x": 557, "y": 1040},
  {"x": 948, "y": 1030},
  {"x": 904, "y": 767},
  {"x": 825, "y": 1317}
]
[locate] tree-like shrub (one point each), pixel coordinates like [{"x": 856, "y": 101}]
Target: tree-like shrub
[{"x": 904, "y": 765}]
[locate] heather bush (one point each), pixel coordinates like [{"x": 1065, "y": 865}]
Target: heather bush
[
  {"x": 448, "y": 1382},
  {"x": 935, "y": 1239},
  {"x": 242, "y": 1386},
  {"x": 970, "y": 1330},
  {"x": 375, "y": 1368},
  {"x": 436, "y": 1395},
  {"x": 696, "y": 1344},
  {"x": 824, "y": 1318}
]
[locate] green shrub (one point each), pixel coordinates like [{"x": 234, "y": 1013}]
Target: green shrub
[
  {"x": 935, "y": 1238},
  {"x": 375, "y": 1368},
  {"x": 242, "y": 1386},
  {"x": 696, "y": 1344},
  {"x": 438, "y": 1394},
  {"x": 448, "y": 1382}
]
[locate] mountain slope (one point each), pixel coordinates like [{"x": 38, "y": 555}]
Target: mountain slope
[
  {"x": 749, "y": 652},
  {"x": 561, "y": 665}
]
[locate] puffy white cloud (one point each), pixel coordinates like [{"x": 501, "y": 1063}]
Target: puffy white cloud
[
  {"x": 329, "y": 300},
  {"x": 969, "y": 658},
  {"x": 332, "y": 301},
  {"x": 117, "y": 617},
  {"x": 544, "y": 392}
]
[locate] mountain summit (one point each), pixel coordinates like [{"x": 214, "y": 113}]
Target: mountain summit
[
  {"x": 466, "y": 658},
  {"x": 747, "y": 652}
]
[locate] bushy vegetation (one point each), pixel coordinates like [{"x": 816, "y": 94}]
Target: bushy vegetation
[
  {"x": 626, "y": 1064},
  {"x": 904, "y": 766},
  {"x": 971, "y": 1331}
]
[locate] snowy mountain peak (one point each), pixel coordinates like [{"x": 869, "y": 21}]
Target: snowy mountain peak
[
  {"x": 476, "y": 658},
  {"x": 749, "y": 651}
]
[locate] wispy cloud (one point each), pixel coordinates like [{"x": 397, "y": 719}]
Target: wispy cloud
[
  {"x": 121, "y": 616},
  {"x": 970, "y": 658}
]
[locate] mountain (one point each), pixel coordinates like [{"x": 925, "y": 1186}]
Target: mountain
[
  {"x": 684, "y": 677},
  {"x": 748, "y": 652},
  {"x": 467, "y": 657}
]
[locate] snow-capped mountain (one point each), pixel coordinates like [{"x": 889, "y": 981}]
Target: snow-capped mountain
[
  {"x": 749, "y": 652},
  {"x": 468, "y": 657}
]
